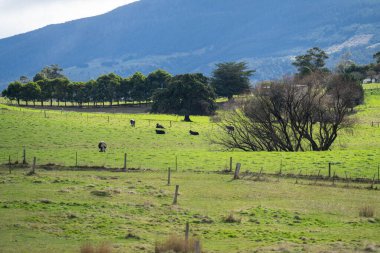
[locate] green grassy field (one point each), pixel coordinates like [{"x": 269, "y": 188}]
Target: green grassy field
[
  {"x": 57, "y": 211},
  {"x": 56, "y": 136}
]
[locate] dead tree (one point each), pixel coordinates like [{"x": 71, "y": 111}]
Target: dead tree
[{"x": 291, "y": 115}]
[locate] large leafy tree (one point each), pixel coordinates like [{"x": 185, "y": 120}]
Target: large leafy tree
[
  {"x": 125, "y": 89},
  {"x": 231, "y": 78},
  {"x": 61, "y": 89},
  {"x": 108, "y": 86},
  {"x": 311, "y": 62},
  {"x": 49, "y": 72},
  {"x": 158, "y": 79},
  {"x": 188, "y": 94},
  {"x": 13, "y": 92},
  {"x": 30, "y": 92},
  {"x": 138, "y": 87}
]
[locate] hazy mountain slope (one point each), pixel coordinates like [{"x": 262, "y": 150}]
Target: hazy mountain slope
[{"x": 192, "y": 35}]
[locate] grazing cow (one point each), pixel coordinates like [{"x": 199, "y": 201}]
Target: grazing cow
[
  {"x": 230, "y": 129},
  {"x": 160, "y": 131},
  {"x": 193, "y": 133},
  {"x": 133, "y": 122},
  {"x": 102, "y": 146},
  {"x": 160, "y": 126}
]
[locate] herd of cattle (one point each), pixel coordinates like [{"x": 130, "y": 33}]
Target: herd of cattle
[{"x": 160, "y": 129}]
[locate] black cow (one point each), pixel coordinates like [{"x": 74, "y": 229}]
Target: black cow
[
  {"x": 133, "y": 122},
  {"x": 102, "y": 146},
  {"x": 230, "y": 129},
  {"x": 160, "y": 126},
  {"x": 193, "y": 133},
  {"x": 160, "y": 131}
]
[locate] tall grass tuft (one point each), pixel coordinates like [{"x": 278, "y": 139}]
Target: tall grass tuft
[
  {"x": 177, "y": 244},
  {"x": 367, "y": 211},
  {"x": 231, "y": 219},
  {"x": 88, "y": 248}
]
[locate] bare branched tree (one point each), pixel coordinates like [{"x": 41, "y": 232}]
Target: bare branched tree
[{"x": 291, "y": 114}]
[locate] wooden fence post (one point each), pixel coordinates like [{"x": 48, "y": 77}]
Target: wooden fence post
[
  {"x": 125, "y": 162},
  {"x": 378, "y": 173},
  {"x": 197, "y": 247},
  {"x": 76, "y": 159},
  {"x": 237, "y": 170},
  {"x": 329, "y": 170},
  {"x": 175, "y": 195},
  {"x": 230, "y": 164},
  {"x": 176, "y": 163},
  {"x": 169, "y": 176},
  {"x": 24, "y": 156}
]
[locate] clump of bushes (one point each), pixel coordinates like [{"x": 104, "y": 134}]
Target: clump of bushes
[
  {"x": 231, "y": 219},
  {"x": 178, "y": 244},
  {"x": 366, "y": 211}
]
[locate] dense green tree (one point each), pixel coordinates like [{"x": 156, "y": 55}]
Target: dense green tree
[
  {"x": 158, "y": 79},
  {"x": 13, "y": 92},
  {"x": 61, "y": 89},
  {"x": 108, "y": 86},
  {"x": 231, "y": 78},
  {"x": 311, "y": 62},
  {"x": 45, "y": 90},
  {"x": 188, "y": 94},
  {"x": 125, "y": 89},
  {"x": 77, "y": 93},
  {"x": 30, "y": 92},
  {"x": 139, "y": 89}
]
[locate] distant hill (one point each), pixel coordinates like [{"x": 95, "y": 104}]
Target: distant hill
[{"x": 192, "y": 35}]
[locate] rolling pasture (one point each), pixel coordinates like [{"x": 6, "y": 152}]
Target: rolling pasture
[
  {"x": 65, "y": 206},
  {"x": 70, "y": 138}
]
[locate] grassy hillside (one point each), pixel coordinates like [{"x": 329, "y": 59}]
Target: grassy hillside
[{"x": 56, "y": 136}]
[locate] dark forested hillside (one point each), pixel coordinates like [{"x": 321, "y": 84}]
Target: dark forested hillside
[{"x": 192, "y": 35}]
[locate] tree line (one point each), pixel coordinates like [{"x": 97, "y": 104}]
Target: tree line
[
  {"x": 51, "y": 85},
  {"x": 181, "y": 94}
]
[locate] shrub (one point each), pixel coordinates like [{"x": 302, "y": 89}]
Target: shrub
[
  {"x": 366, "y": 211},
  {"x": 231, "y": 219},
  {"x": 176, "y": 244}
]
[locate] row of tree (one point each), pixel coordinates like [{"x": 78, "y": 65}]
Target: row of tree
[{"x": 51, "y": 85}]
